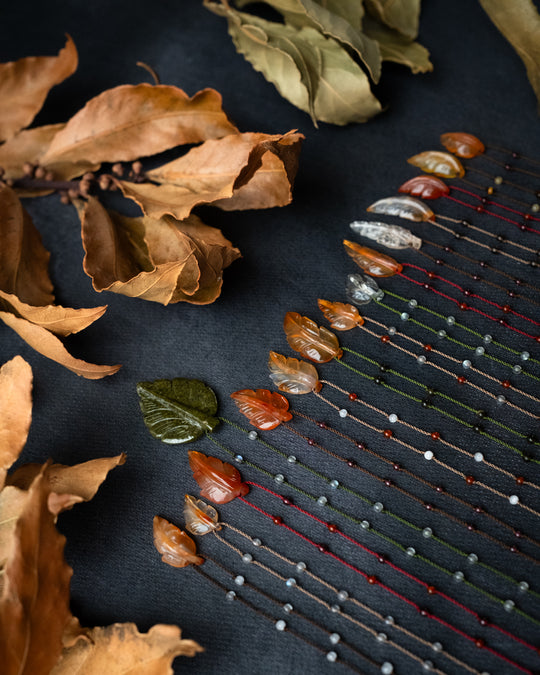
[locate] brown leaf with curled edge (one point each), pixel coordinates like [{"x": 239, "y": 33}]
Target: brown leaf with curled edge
[
  {"x": 50, "y": 346},
  {"x": 401, "y": 15},
  {"x": 24, "y": 85},
  {"x": 34, "y": 602},
  {"x": 164, "y": 260},
  {"x": 120, "y": 649},
  {"x": 23, "y": 258},
  {"x": 15, "y": 411},
  {"x": 134, "y": 121},
  {"x": 218, "y": 170},
  {"x": 79, "y": 482}
]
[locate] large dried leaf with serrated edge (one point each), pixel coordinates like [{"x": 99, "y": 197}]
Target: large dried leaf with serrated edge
[
  {"x": 162, "y": 260},
  {"x": 34, "y": 601},
  {"x": 133, "y": 121},
  {"x": 397, "y": 48},
  {"x": 50, "y": 346},
  {"x": 313, "y": 342},
  {"x": 120, "y": 649},
  {"x": 55, "y": 318},
  {"x": 401, "y": 15},
  {"x": 24, "y": 85},
  {"x": 23, "y": 258},
  {"x": 519, "y": 22},
  {"x": 15, "y": 411}
]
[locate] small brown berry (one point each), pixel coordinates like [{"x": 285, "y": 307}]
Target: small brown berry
[
  {"x": 118, "y": 169},
  {"x": 137, "y": 167},
  {"x": 39, "y": 172},
  {"x": 104, "y": 182}
]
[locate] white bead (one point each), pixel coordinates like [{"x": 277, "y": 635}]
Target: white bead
[
  {"x": 517, "y": 369},
  {"x": 239, "y": 580},
  {"x": 466, "y": 364},
  {"x": 335, "y": 638},
  {"x": 252, "y": 435},
  {"x": 437, "y": 647},
  {"x": 381, "y": 637},
  {"x": 404, "y": 316},
  {"x": 301, "y": 566},
  {"x": 290, "y": 583},
  {"x": 378, "y": 507},
  {"x": 524, "y": 356},
  {"x": 279, "y": 478},
  {"x": 450, "y": 320},
  {"x": 427, "y": 532},
  {"x": 392, "y": 418},
  {"x": 322, "y": 501},
  {"x": 501, "y": 399},
  {"x": 291, "y": 459},
  {"x": 421, "y": 359},
  {"x": 498, "y": 180},
  {"x": 331, "y": 656},
  {"x": 238, "y": 459},
  {"x": 472, "y": 558},
  {"x": 478, "y": 457},
  {"x": 387, "y": 668},
  {"x": 458, "y": 576},
  {"x": 523, "y": 586},
  {"x": 535, "y": 208},
  {"x": 288, "y": 608},
  {"x": 480, "y": 351},
  {"x": 342, "y": 595},
  {"x": 428, "y": 454},
  {"x": 427, "y": 665},
  {"x": 413, "y": 303},
  {"x": 389, "y": 620},
  {"x": 513, "y": 499},
  {"x": 256, "y": 541},
  {"x": 335, "y": 609},
  {"x": 343, "y": 412},
  {"x": 247, "y": 558},
  {"x": 230, "y": 596},
  {"x": 334, "y": 484},
  {"x": 392, "y": 330},
  {"x": 509, "y": 605},
  {"x": 487, "y": 339},
  {"x": 441, "y": 333},
  {"x": 281, "y": 625},
  {"x": 410, "y": 551},
  {"x": 365, "y": 525}
]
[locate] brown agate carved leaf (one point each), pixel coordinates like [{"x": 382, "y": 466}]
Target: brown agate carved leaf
[
  {"x": 425, "y": 187},
  {"x": 264, "y": 409},
  {"x": 176, "y": 547},
  {"x": 200, "y": 517},
  {"x": 24, "y": 85},
  {"x": 462, "y": 144},
  {"x": 439, "y": 163},
  {"x": 133, "y": 121},
  {"x": 372, "y": 262},
  {"x": 311, "y": 341},
  {"x": 341, "y": 316},
  {"x": 219, "y": 481},
  {"x": 292, "y": 375}
]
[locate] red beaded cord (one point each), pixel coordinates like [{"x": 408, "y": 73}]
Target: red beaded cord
[{"x": 481, "y": 209}]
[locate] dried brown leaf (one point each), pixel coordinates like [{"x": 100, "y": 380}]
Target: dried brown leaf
[
  {"x": 162, "y": 260},
  {"x": 133, "y": 121},
  {"x": 24, "y": 85},
  {"x": 120, "y": 649},
  {"x": 401, "y": 15},
  {"x": 12, "y": 503},
  {"x": 23, "y": 258},
  {"x": 79, "y": 482},
  {"x": 50, "y": 346},
  {"x": 15, "y": 411},
  {"x": 34, "y": 602}
]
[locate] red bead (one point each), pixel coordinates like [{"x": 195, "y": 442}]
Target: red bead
[
  {"x": 479, "y": 643},
  {"x": 527, "y": 216},
  {"x": 286, "y": 501},
  {"x": 353, "y": 396},
  {"x": 424, "y": 612},
  {"x": 385, "y": 338},
  {"x": 427, "y": 348},
  {"x": 520, "y": 480},
  {"x": 483, "y": 621},
  {"x": 506, "y": 384},
  {"x": 469, "y": 480},
  {"x": 478, "y": 509},
  {"x": 381, "y": 559},
  {"x": 462, "y": 379},
  {"x": 435, "y": 435},
  {"x": 310, "y": 441},
  {"x": 322, "y": 548},
  {"x": 507, "y": 309},
  {"x": 431, "y": 590},
  {"x": 277, "y": 520},
  {"x": 428, "y": 507},
  {"x": 517, "y": 534},
  {"x": 470, "y": 527},
  {"x": 463, "y": 305},
  {"x": 372, "y": 579},
  {"x": 480, "y": 209},
  {"x": 396, "y": 466},
  {"x": 388, "y": 433},
  {"x": 431, "y": 275},
  {"x": 439, "y": 489},
  {"x": 351, "y": 463},
  {"x": 332, "y": 527},
  {"x": 537, "y": 338},
  {"x": 388, "y": 483}
]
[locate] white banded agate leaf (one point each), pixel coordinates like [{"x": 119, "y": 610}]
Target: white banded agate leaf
[
  {"x": 403, "y": 207},
  {"x": 391, "y": 236}
]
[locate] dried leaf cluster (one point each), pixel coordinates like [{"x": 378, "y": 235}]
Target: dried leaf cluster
[
  {"x": 325, "y": 55},
  {"x": 167, "y": 254},
  {"x": 38, "y": 633}
]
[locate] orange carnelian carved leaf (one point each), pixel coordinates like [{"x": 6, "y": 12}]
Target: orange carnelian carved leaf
[
  {"x": 372, "y": 262},
  {"x": 315, "y": 343},
  {"x": 439, "y": 163},
  {"x": 176, "y": 547},
  {"x": 292, "y": 375},
  {"x": 425, "y": 187},
  {"x": 341, "y": 316},
  {"x": 264, "y": 409},
  {"x": 463, "y": 145},
  {"x": 219, "y": 482},
  {"x": 200, "y": 517}
]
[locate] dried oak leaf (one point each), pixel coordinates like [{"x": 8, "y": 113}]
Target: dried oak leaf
[
  {"x": 15, "y": 411},
  {"x": 24, "y": 85},
  {"x": 120, "y": 649},
  {"x": 162, "y": 260},
  {"x": 133, "y": 121},
  {"x": 34, "y": 600},
  {"x": 221, "y": 170}
]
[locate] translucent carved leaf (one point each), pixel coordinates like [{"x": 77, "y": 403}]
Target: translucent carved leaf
[
  {"x": 315, "y": 343},
  {"x": 264, "y": 409},
  {"x": 219, "y": 482},
  {"x": 176, "y": 547},
  {"x": 293, "y": 376},
  {"x": 340, "y": 315},
  {"x": 425, "y": 187},
  {"x": 178, "y": 410},
  {"x": 439, "y": 163},
  {"x": 362, "y": 289},
  {"x": 391, "y": 236},
  {"x": 372, "y": 262},
  {"x": 403, "y": 207},
  {"x": 200, "y": 517},
  {"x": 463, "y": 145}
]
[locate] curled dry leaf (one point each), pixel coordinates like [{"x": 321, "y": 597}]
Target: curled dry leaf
[
  {"x": 219, "y": 481},
  {"x": 292, "y": 375},
  {"x": 164, "y": 260},
  {"x": 264, "y": 409},
  {"x": 401, "y": 15},
  {"x": 220, "y": 170},
  {"x": 15, "y": 411},
  {"x": 120, "y": 649},
  {"x": 176, "y": 547},
  {"x": 24, "y": 85},
  {"x": 313, "y": 342},
  {"x": 133, "y": 121}
]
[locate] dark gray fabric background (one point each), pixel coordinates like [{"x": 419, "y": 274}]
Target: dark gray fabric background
[{"x": 291, "y": 256}]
